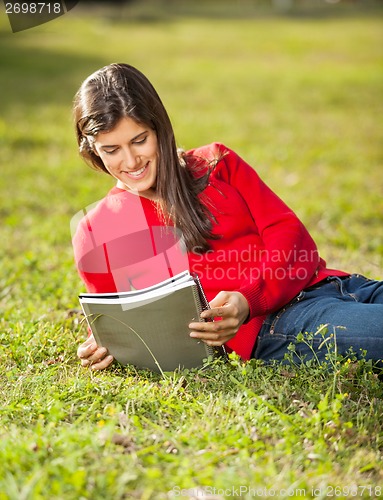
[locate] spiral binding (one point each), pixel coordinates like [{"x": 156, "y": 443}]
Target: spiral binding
[{"x": 214, "y": 351}]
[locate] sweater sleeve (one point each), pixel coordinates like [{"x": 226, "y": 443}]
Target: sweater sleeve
[{"x": 287, "y": 258}]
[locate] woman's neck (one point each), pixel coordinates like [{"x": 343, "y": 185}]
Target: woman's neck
[{"x": 150, "y": 194}]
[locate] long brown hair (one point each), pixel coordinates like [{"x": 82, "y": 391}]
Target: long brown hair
[{"x": 120, "y": 90}]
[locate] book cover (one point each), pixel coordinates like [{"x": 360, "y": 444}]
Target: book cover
[{"x": 148, "y": 328}]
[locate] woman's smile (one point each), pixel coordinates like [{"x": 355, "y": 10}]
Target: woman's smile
[{"x": 138, "y": 174}]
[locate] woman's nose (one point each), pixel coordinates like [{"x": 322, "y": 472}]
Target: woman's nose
[{"x": 130, "y": 159}]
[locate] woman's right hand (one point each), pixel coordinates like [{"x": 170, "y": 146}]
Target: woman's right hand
[{"x": 90, "y": 354}]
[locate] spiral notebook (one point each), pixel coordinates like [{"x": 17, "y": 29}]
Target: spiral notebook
[{"x": 148, "y": 328}]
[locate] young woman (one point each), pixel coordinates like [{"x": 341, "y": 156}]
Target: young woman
[{"x": 206, "y": 210}]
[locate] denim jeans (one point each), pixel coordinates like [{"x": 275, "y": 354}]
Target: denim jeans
[{"x": 351, "y": 308}]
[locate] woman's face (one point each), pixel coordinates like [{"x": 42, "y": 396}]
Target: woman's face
[{"x": 130, "y": 154}]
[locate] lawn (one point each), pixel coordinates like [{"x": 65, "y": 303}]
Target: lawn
[{"x": 300, "y": 99}]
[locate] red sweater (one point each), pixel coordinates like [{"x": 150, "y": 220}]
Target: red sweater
[{"x": 264, "y": 251}]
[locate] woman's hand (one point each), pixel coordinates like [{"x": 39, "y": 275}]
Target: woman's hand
[
  {"x": 94, "y": 356},
  {"x": 231, "y": 308}
]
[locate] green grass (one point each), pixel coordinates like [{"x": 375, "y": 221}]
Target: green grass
[{"x": 300, "y": 99}]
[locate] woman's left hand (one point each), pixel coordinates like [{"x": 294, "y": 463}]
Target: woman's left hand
[{"x": 231, "y": 308}]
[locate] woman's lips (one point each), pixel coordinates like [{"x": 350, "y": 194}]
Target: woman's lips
[{"x": 137, "y": 174}]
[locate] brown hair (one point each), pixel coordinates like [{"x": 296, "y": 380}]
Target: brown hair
[{"x": 120, "y": 90}]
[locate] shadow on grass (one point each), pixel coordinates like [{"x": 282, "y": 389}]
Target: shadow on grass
[{"x": 32, "y": 76}]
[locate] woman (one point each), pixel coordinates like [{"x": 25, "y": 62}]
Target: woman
[{"x": 206, "y": 210}]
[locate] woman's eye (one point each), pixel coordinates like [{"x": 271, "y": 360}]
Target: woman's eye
[
  {"x": 141, "y": 141},
  {"x": 110, "y": 151}
]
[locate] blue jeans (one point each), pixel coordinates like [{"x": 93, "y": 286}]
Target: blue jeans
[{"x": 351, "y": 308}]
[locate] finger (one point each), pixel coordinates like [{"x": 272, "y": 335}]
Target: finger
[
  {"x": 218, "y": 312},
  {"x": 84, "y": 351},
  {"x": 217, "y": 337},
  {"x": 216, "y": 333},
  {"x": 220, "y": 338},
  {"x": 217, "y": 341},
  {"x": 220, "y": 299},
  {"x": 214, "y": 326},
  {"x": 90, "y": 340},
  {"x": 94, "y": 357},
  {"x": 98, "y": 355},
  {"x": 102, "y": 364}
]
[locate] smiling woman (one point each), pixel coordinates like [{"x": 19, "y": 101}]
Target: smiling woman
[{"x": 258, "y": 264}]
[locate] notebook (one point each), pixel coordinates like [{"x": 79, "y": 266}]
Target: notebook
[{"x": 148, "y": 328}]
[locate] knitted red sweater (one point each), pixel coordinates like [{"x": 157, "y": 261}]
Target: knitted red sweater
[{"x": 263, "y": 251}]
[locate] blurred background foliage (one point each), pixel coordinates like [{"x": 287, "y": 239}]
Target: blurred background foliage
[
  {"x": 157, "y": 9},
  {"x": 230, "y": 7}
]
